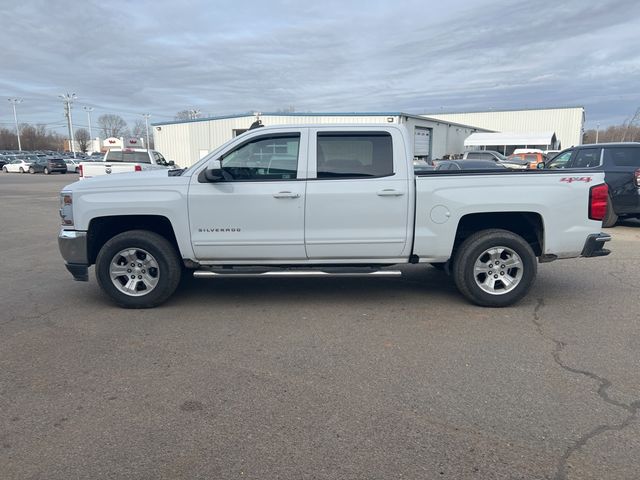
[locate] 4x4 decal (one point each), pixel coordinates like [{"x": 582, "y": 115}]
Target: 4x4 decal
[{"x": 576, "y": 179}]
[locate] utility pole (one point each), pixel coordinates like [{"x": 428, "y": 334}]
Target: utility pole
[
  {"x": 634, "y": 119},
  {"x": 597, "y": 131},
  {"x": 14, "y": 102},
  {"x": 68, "y": 101},
  {"x": 146, "y": 124},
  {"x": 89, "y": 110}
]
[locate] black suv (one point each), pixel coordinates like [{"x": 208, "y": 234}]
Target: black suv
[
  {"x": 48, "y": 165},
  {"x": 620, "y": 163}
]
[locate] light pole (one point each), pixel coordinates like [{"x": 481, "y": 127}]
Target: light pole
[
  {"x": 89, "y": 110},
  {"x": 14, "y": 102},
  {"x": 68, "y": 101},
  {"x": 597, "y": 131},
  {"x": 146, "y": 124}
]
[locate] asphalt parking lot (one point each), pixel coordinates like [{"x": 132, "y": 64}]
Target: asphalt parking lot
[{"x": 313, "y": 378}]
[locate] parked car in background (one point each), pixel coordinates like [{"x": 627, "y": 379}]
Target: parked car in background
[
  {"x": 125, "y": 161},
  {"x": 72, "y": 165},
  {"x": 48, "y": 165},
  {"x": 449, "y": 165},
  {"x": 38, "y": 166},
  {"x": 55, "y": 164},
  {"x": 523, "y": 161},
  {"x": 17, "y": 165},
  {"x": 484, "y": 155},
  {"x": 620, "y": 163},
  {"x": 4, "y": 160}
]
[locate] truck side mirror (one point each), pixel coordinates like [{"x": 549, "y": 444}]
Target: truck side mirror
[
  {"x": 213, "y": 172},
  {"x": 171, "y": 163},
  {"x": 540, "y": 166}
]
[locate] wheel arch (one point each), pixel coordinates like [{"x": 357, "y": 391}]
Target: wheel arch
[
  {"x": 529, "y": 225},
  {"x": 101, "y": 229}
]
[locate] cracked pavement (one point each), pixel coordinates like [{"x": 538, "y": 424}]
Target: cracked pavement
[{"x": 313, "y": 378}]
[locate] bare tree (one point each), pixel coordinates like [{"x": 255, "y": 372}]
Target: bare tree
[
  {"x": 613, "y": 133},
  {"x": 188, "y": 114},
  {"x": 139, "y": 129},
  {"x": 32, "y": 138},
  {"x": 112, "y": 125},
  {"x": 83, "y": 138}
]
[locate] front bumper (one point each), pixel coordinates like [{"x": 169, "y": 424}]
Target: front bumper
[
  {"x": 593, "y": 245},
  {"x": 73, "y": 247}
]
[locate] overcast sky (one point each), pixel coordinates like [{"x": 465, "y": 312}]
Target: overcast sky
[{"x": 225, "y": 57}]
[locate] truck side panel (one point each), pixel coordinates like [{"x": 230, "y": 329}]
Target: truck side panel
[{"x": 442, "y": 200}]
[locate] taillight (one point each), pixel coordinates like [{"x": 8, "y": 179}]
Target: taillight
[
  {"x": 636, "y": 176},
  {"x": 138, "y": 168},
  {"x": 80, "y": 170},
  {"x": 598, "y": 197}
]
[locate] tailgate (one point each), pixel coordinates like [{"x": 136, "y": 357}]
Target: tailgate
[{"x": 94, "y": 169}]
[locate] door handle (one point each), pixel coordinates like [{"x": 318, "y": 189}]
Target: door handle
[
  {"x": 390, "y": 192},
  {"x": 286, "y": 195}
]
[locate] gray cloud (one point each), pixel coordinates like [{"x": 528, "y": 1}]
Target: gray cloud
[{"x": 228, "y": 57}]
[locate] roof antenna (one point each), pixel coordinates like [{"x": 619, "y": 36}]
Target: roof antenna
[{"x": 258, "y": 122}]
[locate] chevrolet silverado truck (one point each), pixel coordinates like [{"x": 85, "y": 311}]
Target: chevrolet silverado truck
[
  {"x": 326, "y": 200},
  {"x": 123, "y": 161}
]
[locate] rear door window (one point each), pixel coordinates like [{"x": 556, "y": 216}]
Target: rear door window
[
  {"x": 586, "y": 158},
  {"x": 623, "y": 156},
  {"x": 354, "y": 155}
]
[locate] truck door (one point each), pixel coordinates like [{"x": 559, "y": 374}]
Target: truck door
[
  {"x": 257, "y": 212},
  {"x": 358, "y": 194}
]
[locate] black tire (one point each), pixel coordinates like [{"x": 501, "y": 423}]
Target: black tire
[
  {"x": 46, "y": 171},
  {"x": 169, "y": 268},
  {"x": 32, "y": 170},
  {"x": 471, "y": 251},
  {"x": 4, "y": 169},
  {"x": 610, "y": 218},
  {"x": 21, "y": 170}
]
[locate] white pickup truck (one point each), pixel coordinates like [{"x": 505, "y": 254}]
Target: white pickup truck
[
  {"x": 326, "y": 199},
  {"x": 124, "y": 161}
]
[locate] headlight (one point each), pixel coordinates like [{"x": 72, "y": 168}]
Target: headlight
[{"x": 66, "y": 208}]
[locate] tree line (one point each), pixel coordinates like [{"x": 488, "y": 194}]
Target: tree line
[
  {"x": 614, "y": 133},
  {"x": 39, "y": 137}
]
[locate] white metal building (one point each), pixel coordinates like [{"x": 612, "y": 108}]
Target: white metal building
[
  {"x": 566, "y": 122},
  {"x": 506, "y": 143},
  {"x": 187, "y": 141}
]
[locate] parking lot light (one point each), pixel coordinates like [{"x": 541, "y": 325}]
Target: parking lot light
[{"x": 14, "y": 101}]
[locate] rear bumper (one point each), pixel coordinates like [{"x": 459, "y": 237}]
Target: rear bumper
[
  {"x": 593, "y": 247},
  {"x": 73, "y": 247}
]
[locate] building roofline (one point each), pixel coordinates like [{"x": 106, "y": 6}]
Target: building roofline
[
  {"x": 307, "y": 114},
  {"x": 505, "y": 110}
]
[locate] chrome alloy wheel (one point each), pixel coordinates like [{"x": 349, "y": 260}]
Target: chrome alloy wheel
[
  {"x": 134, "y": 272},
  {"x": 498, "y": 270}
]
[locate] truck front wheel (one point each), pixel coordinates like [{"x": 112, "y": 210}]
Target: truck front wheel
[
  {"x": 138, "y": 269},
  {"x": 494, "y": 268}
]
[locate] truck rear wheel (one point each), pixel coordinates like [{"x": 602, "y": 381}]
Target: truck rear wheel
[
  {"x": 494, "y": 268},
  {"x": 610, "y": 217},
  {"x": 138, "y": 269}
]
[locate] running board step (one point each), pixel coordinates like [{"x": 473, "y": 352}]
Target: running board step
[{"x": 297, "y": 273}]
